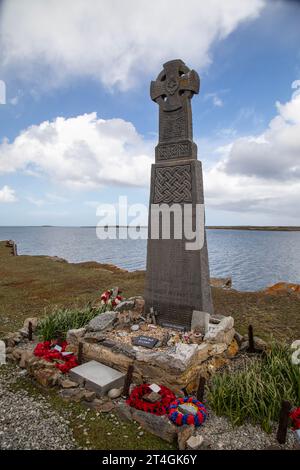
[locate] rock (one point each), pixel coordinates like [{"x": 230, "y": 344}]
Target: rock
[
  {"x": 94, "y": 337},
  {"x": 72, "y": 394},
  {"x": 106, "y": 407},
  {"x": 200, "y": 320},
  {"x": 102, "y": 322},
  {"x": 283, "y": 288},
  {"x": 233, "y": 348},
  {"x": 259, "y": 344},
  {"x": 47, "y": 377},
  {"x": 75, "y": 335},
  {"x": 12, "y": 339},
  {"x": 25, "y": 357},
  {"x": 125, "y": 305},
  {"x": 34, "y": 323},
  {"x": 115, "y": 393},
  {"x": 89, "y": 395},
  {"x": 158, "y": 425},
  {"x": 223, "y": 282},
  {"x": 135, "y": 328},
  {"x": 183, "y": 434},
  {"x": 67, "y": 383},
  {"x": 152, "y": 397},
  {"x": 194, "y": 442},
  {"x": 139, "y": 305},
  {"x": 23, "y": 332},
  {"x": 17, "y": 352},
  {"x": 223, "y": 332},
  {"x": 238, "y": 338}
]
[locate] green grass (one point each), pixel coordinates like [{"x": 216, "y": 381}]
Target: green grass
[
  {"x": 97, "y": 427},
  {"x": 256, "y": 393},
  {"x": 29, "y": 284},
  {"x": 57, "y": 324}
]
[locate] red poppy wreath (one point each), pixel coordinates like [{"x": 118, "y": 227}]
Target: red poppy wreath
[{"x": 158, "y": 408}]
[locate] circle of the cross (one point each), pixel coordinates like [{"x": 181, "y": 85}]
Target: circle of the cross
[{"x": 175, "y": 83}]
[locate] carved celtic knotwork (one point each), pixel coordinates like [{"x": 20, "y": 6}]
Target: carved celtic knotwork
[
  {"x": 173, "y": 85},
  {"x": 173, "y": 184},
  {"x": 172, "y": 151}
]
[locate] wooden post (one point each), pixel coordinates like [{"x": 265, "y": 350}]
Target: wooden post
[
  {"x": 80, "y": 353},
  {"x": 185, "y": 392},
  {"x": 283, "y": 421},
  {"x": 201, "y": 389},
  {"x": 30, "y": 331},
  {"x": 128, "y": 380},
  {"x": 251, "y": 348}
]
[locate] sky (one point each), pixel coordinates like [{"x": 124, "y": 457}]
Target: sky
[{"x": 78, "y": 127}]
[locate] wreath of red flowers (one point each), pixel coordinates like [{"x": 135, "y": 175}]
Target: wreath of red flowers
[
  {"x": 158, "y": 408},
  {"x": 295, "y": 417},
  {"x": 46, "y": 351}
]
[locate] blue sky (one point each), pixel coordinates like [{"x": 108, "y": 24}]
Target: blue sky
[{"x": 78, "y": 127}]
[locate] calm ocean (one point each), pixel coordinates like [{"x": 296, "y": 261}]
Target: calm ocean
[{"x": 254, "y": 259}]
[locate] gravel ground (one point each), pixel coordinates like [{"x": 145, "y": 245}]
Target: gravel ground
[
  {"x": 30, "y": 423},
  {"x": 219, "y": 434}
]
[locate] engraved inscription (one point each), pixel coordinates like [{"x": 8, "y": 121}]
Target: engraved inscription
[{"x": 173, "y": 184}]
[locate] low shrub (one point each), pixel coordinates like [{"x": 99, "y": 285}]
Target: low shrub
[{"x": 256, "y": 393}]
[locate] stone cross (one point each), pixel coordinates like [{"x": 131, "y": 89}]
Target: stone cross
[{"x": 177, "y": 280}]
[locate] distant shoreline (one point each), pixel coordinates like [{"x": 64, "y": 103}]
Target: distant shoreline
[{"x": 271, "y": 228}]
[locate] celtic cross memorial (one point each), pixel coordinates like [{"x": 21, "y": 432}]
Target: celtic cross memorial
[{"x": 177, "y": 278}]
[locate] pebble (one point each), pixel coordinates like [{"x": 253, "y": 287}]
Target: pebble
[
  {"x": 115, "y": 393},
  {"x": 135, "y": 328},
  {"x": 29, "y": 423}
]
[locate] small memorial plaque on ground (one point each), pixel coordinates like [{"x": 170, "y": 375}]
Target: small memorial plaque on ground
[{"x": 145, "y": 341}]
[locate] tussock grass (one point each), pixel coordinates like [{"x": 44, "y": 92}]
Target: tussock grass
[
  {"x": 56, "y": 324},
  {"x": 255, "y": 394}
]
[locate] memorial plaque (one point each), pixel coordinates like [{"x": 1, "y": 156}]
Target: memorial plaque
[
  {"x": 145, "y": 341},
  {"x": 177, "y": 279}
]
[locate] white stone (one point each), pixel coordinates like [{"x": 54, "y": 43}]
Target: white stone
[
  {"x": 115, "y": 393},
  {"x": 194, "y": 442},
  {"x": 97, "y": 377},
  {"x": 200, "y": 320},
  {"x": 222, "y": 332},
  {"x": 73, "y": 336}
]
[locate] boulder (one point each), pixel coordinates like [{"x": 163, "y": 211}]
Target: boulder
[
  {"x": 67, "y": 383},
  {"x": 158, "y": 425},
  {"x": 194, "y": 442},
  {"x": 72, "y": 394},
  {"x": 74, "y": 336},
  {"x": 94, "y": 337},
  {"x": 102, "y": 322},
  {"x": 125, "y": 305},
  {"x": 34, "y": 322},
  {"x": 183, "y": 434},
  {"x": 114, "y": 393},
  {"x": 25, "y": 357},
  {"x": 47, "y": 377}
]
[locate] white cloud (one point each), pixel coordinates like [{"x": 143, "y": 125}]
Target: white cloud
[
  {"x": 274, "y": 154},
  {"x": 261, "y": 173},
  {"x": 82, "y": 152},
  {"x": 113, "y": 41},
  {"x": 7, "y": 194},
  {"x": 217, "y": 101}
]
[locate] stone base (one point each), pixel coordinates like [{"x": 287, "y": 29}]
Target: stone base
[{"x": 176, "y": 367}]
